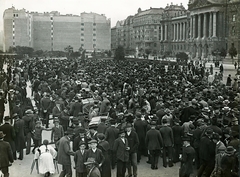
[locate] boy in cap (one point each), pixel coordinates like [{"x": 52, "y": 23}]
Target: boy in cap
[
  {"x": 37, "y": 135},
  {"x": 95, "y": 153},
  {"x": 80, "y": 158}
]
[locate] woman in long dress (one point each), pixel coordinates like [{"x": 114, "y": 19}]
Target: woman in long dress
[{"x": 45, "y": 155}]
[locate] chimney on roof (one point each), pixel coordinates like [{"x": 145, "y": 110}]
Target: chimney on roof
[{"x": 171, "y": 3}]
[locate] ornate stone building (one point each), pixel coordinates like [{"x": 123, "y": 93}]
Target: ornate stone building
[{"x": 207, "y": 26}]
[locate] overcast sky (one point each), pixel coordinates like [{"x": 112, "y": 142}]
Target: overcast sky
[{"x": 113, "y": 9}]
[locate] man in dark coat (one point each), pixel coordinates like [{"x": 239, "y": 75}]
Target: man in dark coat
[
  {"x": 111, "y": 135},
  {"x": 189, "y": 111},
  {"x": 133, "y": 143},
  {"x": 46, "y": 108},
  {"x": 6, "y": 155},
  {"x": 80, "y": 138},
  {"x": 8, "y": 130},
  {"x": 121, "y": 148},
  {"x": 20, "y": 138},
  {"x": 177, "y": 136},
  {"x": 102, "y": 126},
  {"x": 2, "y": 107},
  {"x": 80, "y": 158},
  {"x": 140, "y": 127},
  {"x": 28, "y": 128},
  {"x": 188, "y": 154},
  {"x": 65, "y": 152},
  {"x": 206, "y": 153},
  {"x": 168, "y": 143},
  {"x": 154, "y": 143}
]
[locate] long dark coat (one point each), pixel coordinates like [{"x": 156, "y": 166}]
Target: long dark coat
[
  {"x": 79, "y": 160},
  {"x": 6, "y": 154},
  {"x": 106, "y": 166},
  {"x": 111, "y": 135},
  {"x": 19, "y": 130},
  {"x": 64, "y": 151},
  {"x": 153, "y": 140},
  {"x": 97, "y": 155},
  {"x": 120, "y": 149},
  {"x": 141, "y": 130},
  {"x": 228, "y": 165},
  {"x": 188, "y": 154},
  {"x": 8, "y": 130}
]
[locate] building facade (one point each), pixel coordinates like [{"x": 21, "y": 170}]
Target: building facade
[
  {"x": 53, "y": 31},
  {"x": 206, "y": 28}
]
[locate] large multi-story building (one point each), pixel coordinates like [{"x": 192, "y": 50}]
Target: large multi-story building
[
  {"x": 207, "y": 26},
  {"x": 53, "y": 31}
]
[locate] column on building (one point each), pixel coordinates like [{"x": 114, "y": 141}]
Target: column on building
[
  {"x": 161, "y": 32},
  {"x": 191, "y": 26},
  {"x": 199, "y": 26},
  {"x": 166, "y": 32},
  {"x": 210, "y": 24},
  {"x": 174, "y": 29},
  {"x": 177, "y": 36},
  {"x": 194, "y": 26},
  {"x": 204, "y": 25},
  {"x": 184, "y": 31},
  {"x": 180, "y": 36},
  {"x": 214, "y": 24}
]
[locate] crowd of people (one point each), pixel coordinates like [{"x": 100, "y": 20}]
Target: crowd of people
[{"x": 147, "y": 108}]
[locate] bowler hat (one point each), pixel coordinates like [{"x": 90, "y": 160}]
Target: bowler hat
[
  {"x": 6, "y": 118},
  {"x": 186, "y": 138},
  {"x": 153, "y": 123},
  {"x": 15, "y": 115},
  {"x": 230, "y": 150},
  {"x": 209, "y": 131},
  {"x": 90, "y": 161},
  {"x": 101, "y": 136},
  {"x": 1, "y": 134},
  {"x": 29, "y": 111},
  {"x": 121, "y": 131}
]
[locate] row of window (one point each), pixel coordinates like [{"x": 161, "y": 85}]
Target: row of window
[
  {"x": 93, "y": 39},
  {"x": 82, "y": 29}
]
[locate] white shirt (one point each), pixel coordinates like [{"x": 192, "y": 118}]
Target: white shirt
[{"x": 123, "y": 139}]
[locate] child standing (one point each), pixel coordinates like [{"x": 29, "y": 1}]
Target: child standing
[
  {"x": 79, "y": 158},
  {"x": 57, "y": 131},
  {"x": 37, "y": 135}
]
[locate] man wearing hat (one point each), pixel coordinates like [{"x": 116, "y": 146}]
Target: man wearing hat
[
  {"x": 206, "y": 153},
  {"x": 229, "y": 163},
  {"x": 121, "y": 149},
  {"x": 188, "y": 154},
  {"x": 57, "y": 131},
  {"x": 168, "y": 143},
  {"x": 133, "y": 143},
  {"x": 111, "y": 135},
  {"x": 177, "y": 137},
  {"x": 188, "y": 111},
  {"x": 140, "y": 127},
  {"x": 6, "y": 155},
  {"x": 8, "y": 130},
  {"x": 81, "y": 137},
  {"x": 29, "y": 125},
  {"x": 80, "y": 158},
  {"x": 20, "y": 138},
  {"x": 154, "y": 144},
  {"x": 92, "y": 169},
  {"x": 95, "y": 153},
  {"x": 46, "y": 107},
  {"x": 2, "y": 107},
  {"x": 64, "y": 148}
]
